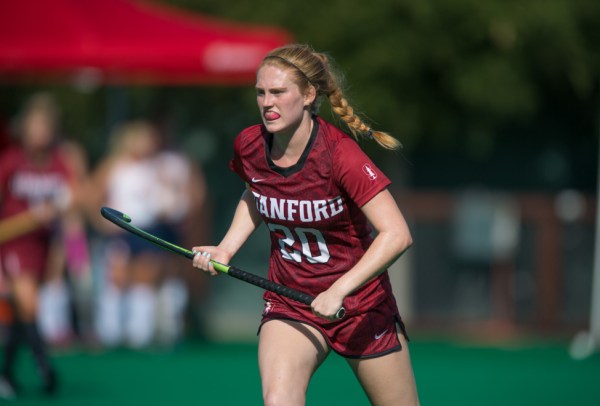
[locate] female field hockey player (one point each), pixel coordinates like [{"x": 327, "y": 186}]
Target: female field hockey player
[
  {"x": 319, "y": 194},
  {"x": 34, "y": 179}
]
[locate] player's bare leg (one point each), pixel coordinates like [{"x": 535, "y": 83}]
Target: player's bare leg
[
  {"x": 388, "y": 380},
  {"x": 23, "y": 290},
  {"x": 288, "y": 355},
  {"x": 25, "y": 295}
]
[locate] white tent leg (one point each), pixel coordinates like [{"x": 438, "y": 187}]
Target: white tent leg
[{"x": 586, "y": 343}]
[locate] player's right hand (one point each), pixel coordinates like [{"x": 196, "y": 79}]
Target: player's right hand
[{"x": 204, "y": 254}]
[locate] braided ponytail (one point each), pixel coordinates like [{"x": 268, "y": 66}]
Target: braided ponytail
[
  {"x": 356, "y": 125},
  {"x": 311, "y": 68}
]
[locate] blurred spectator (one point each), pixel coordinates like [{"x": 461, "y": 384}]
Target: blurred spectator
[
  {"x": 35, "y": 191},
  {"x": 65, "y": 296},
  {"x": 182, "y": 194},
  {"x": 142, "y": 298}
]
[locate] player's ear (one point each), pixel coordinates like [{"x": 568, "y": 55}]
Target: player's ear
[{"x": 310, "y": 95}]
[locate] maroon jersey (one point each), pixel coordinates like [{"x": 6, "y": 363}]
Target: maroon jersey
[
  {"x": 24, "y": 184},
  {"x": 312, "y": 210}
]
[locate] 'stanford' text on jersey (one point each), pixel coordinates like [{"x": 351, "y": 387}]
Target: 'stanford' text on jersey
[{"x": 304, "y": 211}]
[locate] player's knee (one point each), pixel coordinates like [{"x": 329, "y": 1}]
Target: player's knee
[{"x": 281, "y": 397}]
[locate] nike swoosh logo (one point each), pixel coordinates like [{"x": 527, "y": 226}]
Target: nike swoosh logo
[
  {"x": 255, "y": 180},
  {"x": 378, "y": 336}
]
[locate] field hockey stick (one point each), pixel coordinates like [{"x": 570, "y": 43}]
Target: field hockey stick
[{"x": 124, "y": 221}]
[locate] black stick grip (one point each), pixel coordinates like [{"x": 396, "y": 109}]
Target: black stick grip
[
  {"x": 277, "y": 288},
  {"x": 270, "y": 285}
]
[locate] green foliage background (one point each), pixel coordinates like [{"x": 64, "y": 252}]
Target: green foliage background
[{"x": 499, "y": 92}]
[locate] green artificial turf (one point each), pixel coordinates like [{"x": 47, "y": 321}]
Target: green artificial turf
[{"x": 448, "y": 373}]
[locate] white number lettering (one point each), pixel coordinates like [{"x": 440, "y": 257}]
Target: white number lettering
[
  {"x": 287, "y": 241},
  {"x": 286, "y": 244},
  {"x": 323, "y": 254}
]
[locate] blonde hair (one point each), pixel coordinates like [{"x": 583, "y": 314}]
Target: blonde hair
[
  {"x": 133, "y": 138},
  {"x": 312, "y": 68}
]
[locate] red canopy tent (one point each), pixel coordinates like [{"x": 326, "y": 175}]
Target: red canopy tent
[{"x": 126, "y": 41}]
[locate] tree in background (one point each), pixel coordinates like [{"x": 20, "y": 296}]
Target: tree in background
[
  {"x": 464, "y": 77},
  {"x": 459, "y": 82}
]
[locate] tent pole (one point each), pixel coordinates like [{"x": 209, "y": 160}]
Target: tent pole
[{"x": 595, "y": 308}]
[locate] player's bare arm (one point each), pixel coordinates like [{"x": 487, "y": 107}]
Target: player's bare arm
[
  {"x": 393, "y": 238},
  {"x": 245, "y": 220}
]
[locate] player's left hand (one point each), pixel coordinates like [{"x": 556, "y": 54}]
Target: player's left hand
[{"x": 327, "y": 304}]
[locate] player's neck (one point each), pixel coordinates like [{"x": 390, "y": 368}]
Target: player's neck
[{"x": 287, "y": 148}]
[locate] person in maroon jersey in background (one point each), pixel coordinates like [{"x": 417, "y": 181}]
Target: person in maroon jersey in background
[
  {"x": 33, "y": 180},
  {"x": 317, "y": 192},
  {"x": 6, "y": 313}
]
